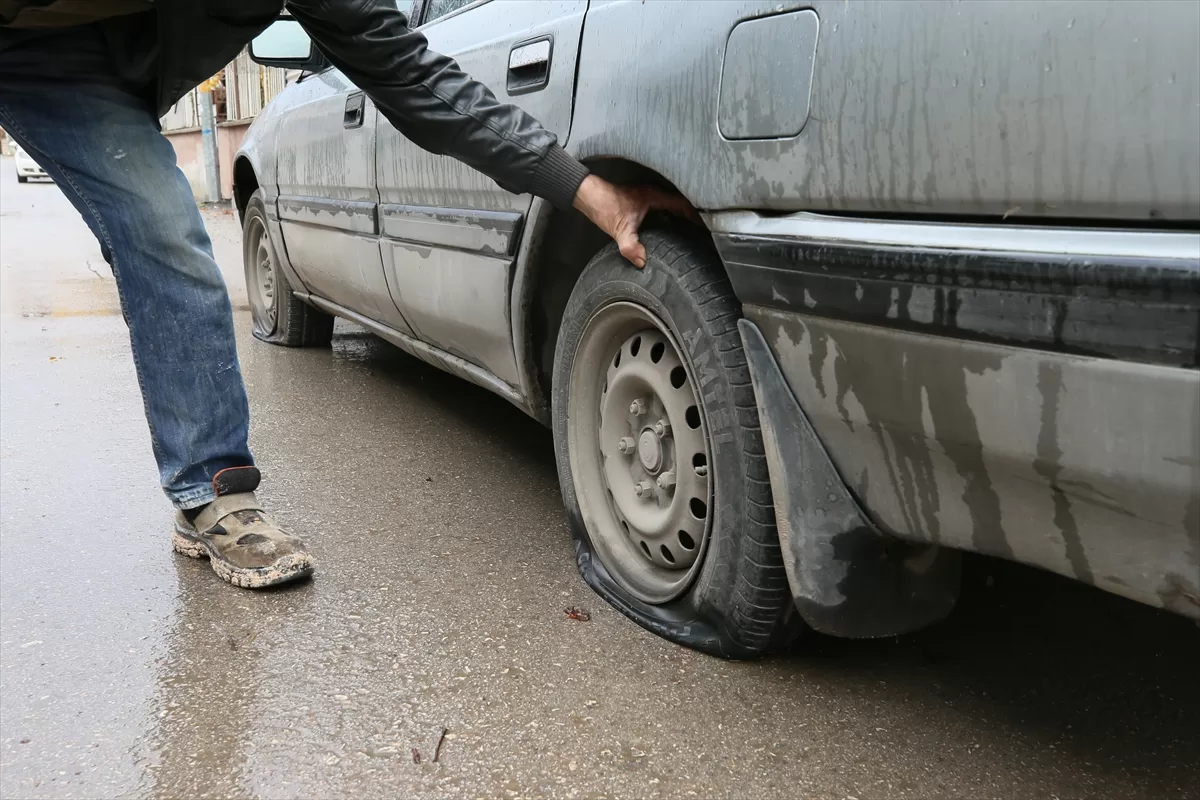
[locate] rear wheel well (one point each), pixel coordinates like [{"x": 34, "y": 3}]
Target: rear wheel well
[
  {"x": 245, "y": 184},
  {"x": 566, "y": 242}
]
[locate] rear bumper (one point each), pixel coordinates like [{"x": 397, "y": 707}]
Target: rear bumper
[
  {"x": 1130, "y": 295},
  {"x": 1027, "y": 393}
]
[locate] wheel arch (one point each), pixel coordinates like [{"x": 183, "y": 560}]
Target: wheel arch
[
  {"x": 558, "y": 245},
  {"x": 248, "y": 179},
  {"x": 245, "y": 183}
]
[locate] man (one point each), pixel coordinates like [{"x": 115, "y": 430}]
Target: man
[{"x": 82, "y": 84}]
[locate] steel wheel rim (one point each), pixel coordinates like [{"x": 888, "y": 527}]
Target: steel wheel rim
[
  {"x": 639, "y": 453},
  {"x": 262, "y": 277}
]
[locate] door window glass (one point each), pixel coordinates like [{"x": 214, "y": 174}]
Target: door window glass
[{"x": 440, "y": 8}]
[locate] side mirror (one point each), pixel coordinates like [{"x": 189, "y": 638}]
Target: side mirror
[{"x": 285, "y": 44}]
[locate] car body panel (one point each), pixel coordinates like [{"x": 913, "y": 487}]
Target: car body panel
[
  {"x": 1052, "y": 109},
  {"x": 1128, "y": 294},
  {"x": 426, "y": 352},
  {"x": 955, "y": 428},
  {"x": 450, "y": 233},
  {"x": 1084, "y": 466},
  {"x": 328, "y": 204}
]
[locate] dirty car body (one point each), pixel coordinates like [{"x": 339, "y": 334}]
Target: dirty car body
[{"x": 964, "y": 245}]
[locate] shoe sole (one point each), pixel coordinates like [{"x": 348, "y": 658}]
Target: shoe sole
[{"x": 287, "y": 569}]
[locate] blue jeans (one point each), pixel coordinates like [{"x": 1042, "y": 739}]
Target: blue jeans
[{"x": 103, "y": 148}]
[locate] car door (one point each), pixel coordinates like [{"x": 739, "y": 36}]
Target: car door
[
  {"x": 450, "y": 234},
  {"x": 328, "y": 204}
]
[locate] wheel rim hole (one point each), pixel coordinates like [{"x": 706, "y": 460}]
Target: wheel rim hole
[
  {"x": 656, "y": 352},
  {"x": 635, "y": 346},
  {"x": 678, "y": 377},
  {"x": 693, "y": 417},
  {"x": 699, "y": 508},
  {"x": 617, "y": 360},
  {"x": 646, "y": 549},
  {"x": 686, "y": 541},
  {"x": 667, "y": 554},
  {"x": 699, "y": 460}
]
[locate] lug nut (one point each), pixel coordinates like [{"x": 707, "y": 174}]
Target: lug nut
[
  {"x": 626, "y": 445},
  {"x": 666, "y": 480},
  {"x": 662, "y": 428},
  {"x": 643, "y": 489},
  {"x": 637, "y": 408}
]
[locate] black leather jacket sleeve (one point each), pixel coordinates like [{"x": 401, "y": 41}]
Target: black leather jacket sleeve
[{"x": 434, "y": 103}]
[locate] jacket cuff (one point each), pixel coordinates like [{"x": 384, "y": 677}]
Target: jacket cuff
[{"x": 558, "y": 177}]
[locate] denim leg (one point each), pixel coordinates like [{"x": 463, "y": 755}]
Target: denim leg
[{"x": 103, "y": 148}]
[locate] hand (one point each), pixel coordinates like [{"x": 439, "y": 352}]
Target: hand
[{"x": 619, "y": 211}]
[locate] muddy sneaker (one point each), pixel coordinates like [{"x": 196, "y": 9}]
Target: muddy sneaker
[{"x": 243, "y": 544}]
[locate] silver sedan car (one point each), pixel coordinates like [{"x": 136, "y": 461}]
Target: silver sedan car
[{"x": 946, "y": 297}]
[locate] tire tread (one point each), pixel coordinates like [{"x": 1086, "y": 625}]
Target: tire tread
[{"x": 760, "y": 567}]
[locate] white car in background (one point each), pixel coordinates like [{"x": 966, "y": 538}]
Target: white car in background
[{"x": 26, "y": 167}]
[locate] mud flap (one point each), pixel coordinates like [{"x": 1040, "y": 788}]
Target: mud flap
[{"x": 847, "y": 577}]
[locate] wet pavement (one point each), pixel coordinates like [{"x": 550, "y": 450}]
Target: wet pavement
[{"x": 446, "y": 567}]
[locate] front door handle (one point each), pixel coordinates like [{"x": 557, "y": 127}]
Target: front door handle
[
  {"x": 355, "y": 105},
  {"x": 529, "y": 65}
]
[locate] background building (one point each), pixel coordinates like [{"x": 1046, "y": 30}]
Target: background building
[{"x": 242, "y": 90}]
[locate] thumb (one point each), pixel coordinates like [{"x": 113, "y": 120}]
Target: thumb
[{"x": 631, "y": 247}]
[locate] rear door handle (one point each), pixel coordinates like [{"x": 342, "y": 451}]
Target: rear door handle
[
  {"x": 529, "y": 65},
  {"x": 355, "y": 104}
]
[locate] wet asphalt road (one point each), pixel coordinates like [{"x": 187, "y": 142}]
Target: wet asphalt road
[{"x": 445, "y": 571}]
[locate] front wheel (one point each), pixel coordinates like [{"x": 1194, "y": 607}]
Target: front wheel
[
  {"x": 659, "y": 453},
  {"x": 279, "y": 316}
]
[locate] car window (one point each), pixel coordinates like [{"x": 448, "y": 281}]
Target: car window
[{"x": 440, "y": 8}]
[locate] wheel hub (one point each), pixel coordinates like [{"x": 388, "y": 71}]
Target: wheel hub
[
  {"x": 641, "y": 476},
  {"x": 650, "y": 451}
]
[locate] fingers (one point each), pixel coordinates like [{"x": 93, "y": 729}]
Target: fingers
[
  {"x": 619, "y": 211},
  {"x": 632, "y": 248}
]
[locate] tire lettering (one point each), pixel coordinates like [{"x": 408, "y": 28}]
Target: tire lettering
[
  {"x": 706, "y": 375},
  {"x": 722, "y": 439}
]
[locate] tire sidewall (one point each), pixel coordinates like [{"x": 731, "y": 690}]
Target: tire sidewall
[
  {"x": 610, "y": 278},
  {"x": 256, "y": 207}
]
